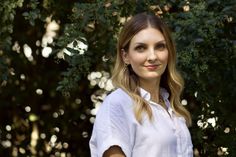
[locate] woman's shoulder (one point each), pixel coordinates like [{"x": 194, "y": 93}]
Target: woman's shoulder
[
  {"x": 117, "y": 102},
  {"x": 118, "y": 95},
  {"x": 117, "y": 98}
]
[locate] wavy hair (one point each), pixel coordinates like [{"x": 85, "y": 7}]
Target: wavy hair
[{"x": 124, "y": 77}]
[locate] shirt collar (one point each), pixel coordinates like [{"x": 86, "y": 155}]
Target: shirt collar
[
  {"x": 144, "y": 94},
  {"x": 165, "y": 95},
  {"x": 147, "y": 96}
]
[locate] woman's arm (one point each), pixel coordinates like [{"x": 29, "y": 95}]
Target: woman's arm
[{"x": 114, "y": 151}]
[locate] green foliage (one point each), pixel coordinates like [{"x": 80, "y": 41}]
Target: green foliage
[
  {"x": 55, "y": 96},
  {"x": 206, "y": 47},
  {"x": 7, "y": 11},
  {"x": 34, "y": 12}
]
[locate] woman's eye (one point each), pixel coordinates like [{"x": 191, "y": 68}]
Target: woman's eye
[
  {"x": 140, "y": 48},
  {"x": 161, "y": 46}
]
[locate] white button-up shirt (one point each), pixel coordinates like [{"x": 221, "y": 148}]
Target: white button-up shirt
[{"x": 166, "y": 136}]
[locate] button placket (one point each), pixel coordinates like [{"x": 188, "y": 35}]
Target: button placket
[
  {"x": 171, "y": 115},
  {"x": 168, "y": 116}
]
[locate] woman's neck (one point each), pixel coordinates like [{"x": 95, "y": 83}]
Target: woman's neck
[{"x": 153, "y": 87}]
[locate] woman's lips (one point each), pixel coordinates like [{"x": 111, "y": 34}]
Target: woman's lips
[{"x": 151, "y": 67}]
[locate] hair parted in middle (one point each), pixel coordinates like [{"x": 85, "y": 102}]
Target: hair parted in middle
[{"x": 125, "y": 78}]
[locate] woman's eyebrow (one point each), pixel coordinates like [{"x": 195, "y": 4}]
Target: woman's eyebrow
[
  {"x": 143, "y": 43},
  {"x": 140, "y": 43}
]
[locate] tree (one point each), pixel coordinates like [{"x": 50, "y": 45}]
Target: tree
[{"x": 55, "y": 64}]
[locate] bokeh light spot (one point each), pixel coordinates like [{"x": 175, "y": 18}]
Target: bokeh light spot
[{"x": 27, "y": 109}]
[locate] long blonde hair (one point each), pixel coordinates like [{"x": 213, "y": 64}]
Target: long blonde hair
[{"x": 124, "y": 77}]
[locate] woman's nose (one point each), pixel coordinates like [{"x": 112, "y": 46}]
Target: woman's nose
[{"x": 152, "y": 55}]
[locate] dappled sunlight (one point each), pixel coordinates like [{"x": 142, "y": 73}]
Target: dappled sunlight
[
  {"x": 39, "y": 91},
  {"x": 222, "y": 151},
  {"x": 22, "y": 76},
  {"x": 46, "y": 51},
  {"x": 16, "y": 47},
  {"x": 28, "y": 52},
  {"x": 184, "y": 102},
  {"x": 27, "y": 109},
  {"x": 77, "y": 45},
  {"x": 34, "y": 139},
  {"x": 103, "y": 81},
  {"x": 186, "y": 7},
  {"x": 51, "y": 32}
]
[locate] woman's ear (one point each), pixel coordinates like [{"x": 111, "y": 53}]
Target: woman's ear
[{"x": 125, "y": 56}]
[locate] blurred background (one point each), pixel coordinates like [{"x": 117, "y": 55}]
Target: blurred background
[{"x": 55, "y": 62}]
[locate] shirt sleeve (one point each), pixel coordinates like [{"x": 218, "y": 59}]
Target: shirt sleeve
[{"x": 110, "y": 128}]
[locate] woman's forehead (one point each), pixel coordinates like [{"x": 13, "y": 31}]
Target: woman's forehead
[{"x": 148, "y": 35}]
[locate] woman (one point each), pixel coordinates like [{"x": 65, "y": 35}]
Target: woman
[{"x": 143, "y": 116}]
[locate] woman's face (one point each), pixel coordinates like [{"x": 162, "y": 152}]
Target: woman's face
[{"x": 147, "y": 54}]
